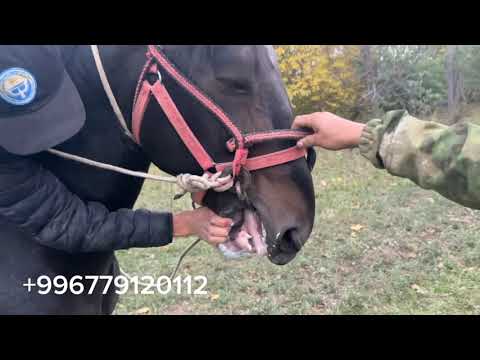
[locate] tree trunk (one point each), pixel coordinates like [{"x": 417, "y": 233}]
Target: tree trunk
[
  {"x": 368, "y": 76},
  {"x": 455, "y": 83},
  {"x": 368, "y": 68}
]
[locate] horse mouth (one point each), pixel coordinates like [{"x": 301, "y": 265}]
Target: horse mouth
[{"x": 247, "y": 238}]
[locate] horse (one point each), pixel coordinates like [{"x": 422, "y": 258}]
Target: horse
[{"x": 245, "y": 81}]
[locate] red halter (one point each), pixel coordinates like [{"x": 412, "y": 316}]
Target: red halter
[{"x": 238, "y": 144}]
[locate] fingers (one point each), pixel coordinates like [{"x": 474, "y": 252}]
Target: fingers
[
  {"x": 218, "y": 221},
  {"x": 306, "y": 121},
  {"x": 307, "y": 141},
  {"x": 217, "y": 234},
  {"x": 216, "y": 231},
  {"x": 208, "y": 226},
  {"x": 219, "y": 230},
  {"x": 302, "y": 121}
]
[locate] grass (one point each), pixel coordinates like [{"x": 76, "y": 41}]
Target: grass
[{"x": 380, "y": 245}]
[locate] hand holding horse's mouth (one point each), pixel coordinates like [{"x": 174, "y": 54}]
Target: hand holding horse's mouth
[
  {"x": 234, "y": 238},
  {"x": 203, "y": 223}
]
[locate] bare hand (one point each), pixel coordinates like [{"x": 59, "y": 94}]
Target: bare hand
[
  {"x": 330, "y": 131},
  {"x": 203, "y": 223}
]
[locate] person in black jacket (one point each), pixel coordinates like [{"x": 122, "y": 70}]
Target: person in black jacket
[{"x": 39, "y": 109}]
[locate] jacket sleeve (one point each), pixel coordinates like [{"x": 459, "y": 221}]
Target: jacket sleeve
[
  {"x": 442, "y": 158},
  {"x": 35, "y": 200}
]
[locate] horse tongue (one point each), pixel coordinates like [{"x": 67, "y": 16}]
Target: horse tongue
[
  {"x": 254, "y": 228},
  {"x": 238, "y": 248},
  {"x": 243, "y": 241},
  {"x": 247, "y": 241},
  {"x": 240, "y": 243}
]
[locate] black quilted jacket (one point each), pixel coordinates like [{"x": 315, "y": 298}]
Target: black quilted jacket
[
  {"x": 47, "y": 230},
  {"x": 36, "y": 202}
]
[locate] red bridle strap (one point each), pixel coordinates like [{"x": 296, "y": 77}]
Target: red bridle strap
[
  {"x": 237, "y": 144},
  {"x": 268, "y": 135},
  {"x": 269, "y": 160},
  {"x": 160, "y": 93},
  {"x": 181, "y": 127},
  {"x": 141, "y": 103},
  {"x": 185, "y": 83}
]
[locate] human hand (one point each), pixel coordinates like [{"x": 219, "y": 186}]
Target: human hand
[
  {"x": 331, "y": 132},
  {"x": 203, "y": 223}
]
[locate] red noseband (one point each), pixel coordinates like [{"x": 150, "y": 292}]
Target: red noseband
[{"x": 240, "y": 142}]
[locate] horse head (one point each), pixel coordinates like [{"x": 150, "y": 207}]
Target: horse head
[{"x": 277, "y": 205}]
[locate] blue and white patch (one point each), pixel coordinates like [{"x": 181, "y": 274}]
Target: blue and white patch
[{"x": 17, "y": 86}]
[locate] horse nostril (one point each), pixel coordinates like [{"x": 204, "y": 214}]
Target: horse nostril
[{"x": 289, "y": 242}]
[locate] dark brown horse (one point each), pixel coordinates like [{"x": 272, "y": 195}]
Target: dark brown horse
[{"x": 245, "y": 81}]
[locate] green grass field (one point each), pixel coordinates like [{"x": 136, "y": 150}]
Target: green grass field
[{"x": 380, "y": 245}]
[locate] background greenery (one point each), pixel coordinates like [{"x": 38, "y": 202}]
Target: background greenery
[{"x": 361, "y": 81}]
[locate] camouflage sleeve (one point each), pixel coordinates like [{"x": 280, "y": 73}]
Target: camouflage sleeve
[{"x": 436, "y": 157}]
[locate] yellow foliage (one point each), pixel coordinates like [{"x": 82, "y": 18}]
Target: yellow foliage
[{"x": 320, "y": 77}]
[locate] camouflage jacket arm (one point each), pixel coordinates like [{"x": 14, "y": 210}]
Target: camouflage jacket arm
[{"x": 442, "y": 158}]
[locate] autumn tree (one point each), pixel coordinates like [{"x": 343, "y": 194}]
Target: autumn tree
[
  {"x": 321, "y": 77},
  {"x": 367, "y": 80}
]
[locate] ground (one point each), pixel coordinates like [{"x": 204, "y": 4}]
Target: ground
[{"x": 380, "y": 245}]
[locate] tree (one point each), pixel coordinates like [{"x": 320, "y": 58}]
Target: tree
[
  {"x": 455, "y": 82},
  {"x": 469, "y": 64},
  {"x": 320, "y": 78},
  {"x": 369, "y": 73},
  {"x": 402, "y": 77},
  {"x": 369, "y": 80}
]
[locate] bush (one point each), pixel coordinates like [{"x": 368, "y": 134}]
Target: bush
[{"x": 410, "y": 77}]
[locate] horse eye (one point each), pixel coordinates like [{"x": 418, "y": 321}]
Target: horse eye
[{"x": 237, "y": 86}]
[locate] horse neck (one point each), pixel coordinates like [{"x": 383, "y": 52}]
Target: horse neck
[
  {"x": 101, "y": 138},
  {"x": 122, "y": 65}
]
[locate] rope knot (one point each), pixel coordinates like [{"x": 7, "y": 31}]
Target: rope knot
[{"x": 193, "y": 183}]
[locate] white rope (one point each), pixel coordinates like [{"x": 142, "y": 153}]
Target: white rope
[
  {"x": 194, "y": 183},
  {"x": 108, "y": 90},
  {"x": 111, "y": 167},
  {"x": 187, "y": 182}
]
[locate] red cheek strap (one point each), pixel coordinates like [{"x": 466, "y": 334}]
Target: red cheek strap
[{"x": 240, "y": 142}]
